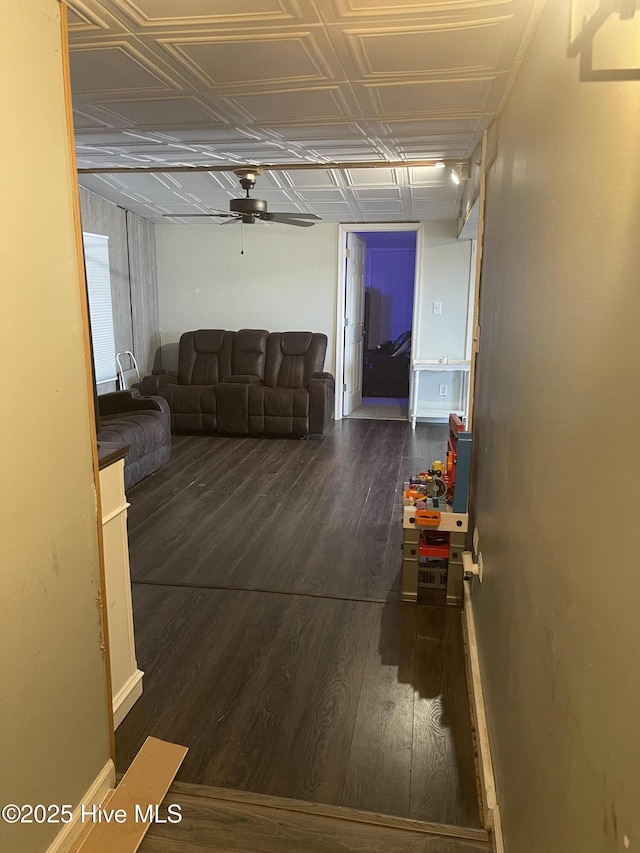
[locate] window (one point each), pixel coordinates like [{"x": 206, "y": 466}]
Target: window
[{"x": 96, "y": 254}]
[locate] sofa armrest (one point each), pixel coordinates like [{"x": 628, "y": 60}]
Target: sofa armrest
[
  {"x": 129, "y": 401},
  {"x": 323, "y": 375},
  {"x": 243, "y": 379},
  {"x": 149, "y": 384},
  {"x": 321, "y": 401}
]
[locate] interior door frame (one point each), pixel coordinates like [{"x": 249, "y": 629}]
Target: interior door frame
[{"x": 341, "y": 291}]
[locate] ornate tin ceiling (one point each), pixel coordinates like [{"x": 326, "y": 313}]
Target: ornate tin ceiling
[{"x": 244, "y": 82}]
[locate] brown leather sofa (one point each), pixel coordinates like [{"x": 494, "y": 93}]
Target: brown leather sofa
[
  {"x": 250, "y": 382},
  {"x": 144, "y": 423}
]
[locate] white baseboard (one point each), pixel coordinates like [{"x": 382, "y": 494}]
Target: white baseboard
[
  {"x": 487, "y": 779},
  {"x": 496, "y": 831},
  {"x": 126, "y": 697},
  {"x": 102, "y": 784}
]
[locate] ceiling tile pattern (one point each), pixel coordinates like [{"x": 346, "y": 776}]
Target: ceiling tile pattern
[{"x": 243, "y": 82}]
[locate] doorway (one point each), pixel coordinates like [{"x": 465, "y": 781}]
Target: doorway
[{"x": 376, "y": 291}]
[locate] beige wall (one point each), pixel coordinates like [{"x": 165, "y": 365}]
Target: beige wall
[
  {"x": 284, "y": 281},
  {"x": 557, "y": 455},
  {"x": 287, "y": 279},
  {"x": 53, "y": 708},
  {"x": 445, "y": 271}
]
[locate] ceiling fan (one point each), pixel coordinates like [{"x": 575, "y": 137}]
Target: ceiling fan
[{"x": 247, "y": 210}]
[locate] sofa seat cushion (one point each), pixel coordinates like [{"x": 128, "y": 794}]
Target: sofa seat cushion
[
  {"x": 278, "y": 411},
  {"x": 193, "y": 407}
]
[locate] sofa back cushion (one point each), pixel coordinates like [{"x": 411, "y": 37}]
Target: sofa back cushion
[
  {"x": 249, "y": 353},
  {"x": 293, "y": 358},
  {"x": 204, "y": 357}
]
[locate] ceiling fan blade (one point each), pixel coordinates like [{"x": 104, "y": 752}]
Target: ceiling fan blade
[
  {"x": 301, "y": 223},
  {"x": 190, "y": 215},
  {"x": 288, "y": 219},
  {"x": 281, "y": 217}
]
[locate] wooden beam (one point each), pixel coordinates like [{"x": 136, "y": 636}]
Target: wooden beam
[{"x": 272, "y": 167}]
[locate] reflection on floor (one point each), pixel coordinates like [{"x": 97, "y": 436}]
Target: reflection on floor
[{"x": 382, "y": 408}]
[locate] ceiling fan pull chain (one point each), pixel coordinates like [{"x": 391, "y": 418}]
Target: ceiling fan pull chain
[{"x": 241, "y": 237}]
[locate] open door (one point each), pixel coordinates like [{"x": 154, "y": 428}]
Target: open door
[{"x": 353, "y": 323}]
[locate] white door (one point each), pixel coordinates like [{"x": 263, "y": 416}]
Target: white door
[{"x": 353, "y": 323}]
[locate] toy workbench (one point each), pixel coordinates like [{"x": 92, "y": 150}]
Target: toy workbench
[{"x": 435, "y": 522}]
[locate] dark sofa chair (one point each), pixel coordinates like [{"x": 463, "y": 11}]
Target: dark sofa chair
[
  {"x": 385, "y": 370},
  {"x": 144, "y": 423},
  {"x": 250, "y": 382}
]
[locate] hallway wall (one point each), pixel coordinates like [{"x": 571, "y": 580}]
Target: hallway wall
[
  {"x": 557, "y": 456},
  {"x": 53, "y": 707}
]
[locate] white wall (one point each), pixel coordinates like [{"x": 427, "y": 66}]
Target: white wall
[
  {"x": 445, "y": 264},
  {"x": 53, "y": 705},
  {"x": 285, "y": 281},
  {"x": 556, "y": 453},
  {"x": 445, "y": 279}
]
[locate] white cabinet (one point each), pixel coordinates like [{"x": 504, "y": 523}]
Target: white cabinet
[
  {"x": 126, "y": 678},
  {"x": 421, "y": 370}
]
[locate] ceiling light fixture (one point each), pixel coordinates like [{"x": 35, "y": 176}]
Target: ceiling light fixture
[{"x": 455, "y": 176}]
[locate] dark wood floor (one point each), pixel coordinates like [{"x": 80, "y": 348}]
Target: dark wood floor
[
  {"x": 221, "y": 820},
  {"x": 270, "y": 628}
]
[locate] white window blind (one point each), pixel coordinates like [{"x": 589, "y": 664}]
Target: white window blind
[{"x": 96, "y": 253}]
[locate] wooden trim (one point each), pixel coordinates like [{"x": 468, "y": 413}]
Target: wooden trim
[
  {"x": 487, "y": 779},
  {"x": 275, "y": 167},
  {"x": 475, "y": 342},
  {"x": 116, "y": 512},
  {"x": 143, "y": 786},
  {"x": 127, "y": 696},
  {"x": 66, "y": 74},
  {"x": 329, "y": 811},
  {"x": 497, "y": 841},
  {"x": 67, "y": 838}
]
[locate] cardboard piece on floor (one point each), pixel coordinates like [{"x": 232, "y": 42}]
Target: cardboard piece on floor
[{"x": 141, "y": 789}]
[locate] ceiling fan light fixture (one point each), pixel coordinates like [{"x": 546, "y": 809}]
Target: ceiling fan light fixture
[
  {"x": 249, "y": 210},
  {"x": 249, "y": 206}
]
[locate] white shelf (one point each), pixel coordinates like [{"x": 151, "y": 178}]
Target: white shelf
[{"x": 431, "y": 409}]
